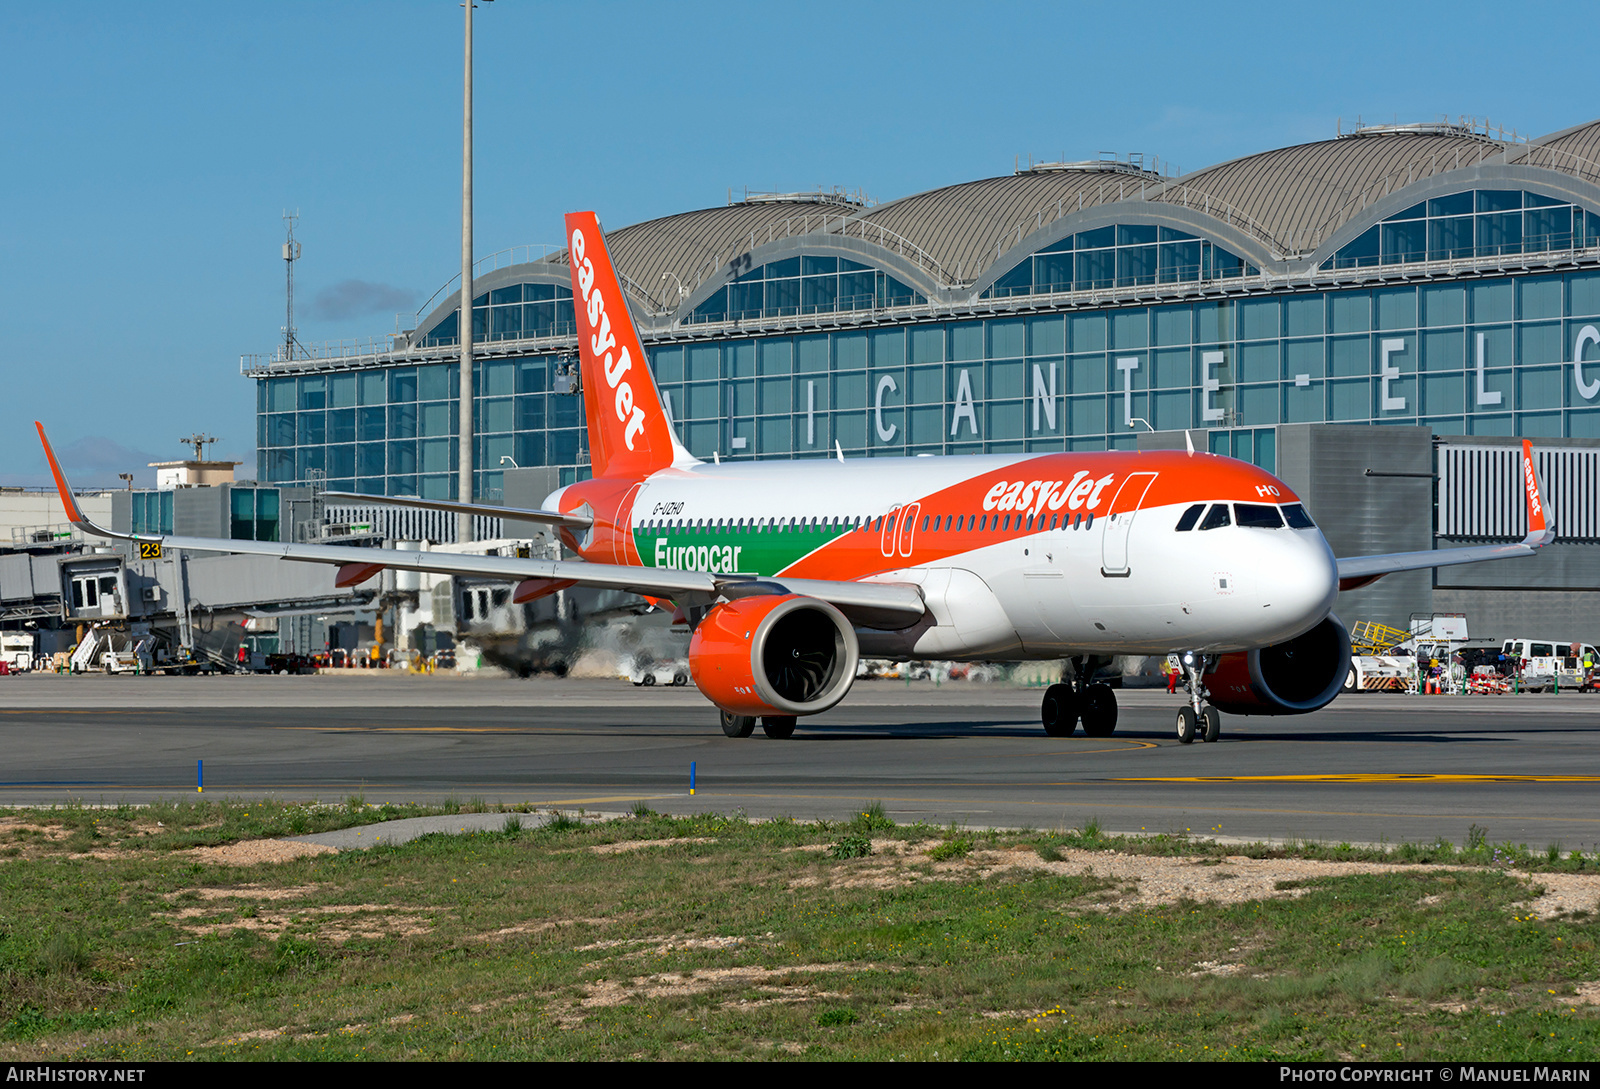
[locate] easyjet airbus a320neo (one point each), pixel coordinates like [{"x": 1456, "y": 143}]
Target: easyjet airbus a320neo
[{"x": 788, "y": 571}]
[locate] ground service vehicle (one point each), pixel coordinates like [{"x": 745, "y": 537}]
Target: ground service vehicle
[
  {"x": 788, "y": 571},
  {"x": 16, "y": 651},
  {"x": 1546, "y": 663}
]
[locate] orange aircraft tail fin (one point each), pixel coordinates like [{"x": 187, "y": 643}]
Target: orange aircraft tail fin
[{"x": 629, "y": 435}]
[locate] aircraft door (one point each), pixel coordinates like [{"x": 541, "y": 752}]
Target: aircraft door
[
  {"x": 886, "y": 541},
  {"x": 1124, "y": 505},
  {"x": 908, "y": 527},
  {"x": 627, "y": 549}
]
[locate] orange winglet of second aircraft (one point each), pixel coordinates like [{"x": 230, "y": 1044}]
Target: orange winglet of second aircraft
[
  {"x": 1538, "y": 524},
  {"x": 68, "y": 501}
]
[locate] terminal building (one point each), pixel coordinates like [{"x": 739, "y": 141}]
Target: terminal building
[{"x": 1376, "y": 317}]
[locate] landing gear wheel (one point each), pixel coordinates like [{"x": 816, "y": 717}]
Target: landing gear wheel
[
  {"x": 1098, "y": 710},
  {"x": 680, "y": 679},
  {"x": 1059, "y": 711},
  {"x": 1210, "y": 724},
  {"x": 738, "y": 725},
  {"x": 1186, "y": 725},
  {"x": 648, "y": 680},
  {"x": 778, "y": 727}
]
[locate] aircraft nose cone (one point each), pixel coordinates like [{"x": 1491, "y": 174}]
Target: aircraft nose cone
[{"x": 1297, "y": 580}]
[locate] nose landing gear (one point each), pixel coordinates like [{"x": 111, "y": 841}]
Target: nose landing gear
[{"x": 1197, "y": 720}]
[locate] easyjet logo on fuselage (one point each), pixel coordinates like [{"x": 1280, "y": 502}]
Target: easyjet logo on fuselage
[
  {"x": 603, "y": 341},
  {"x": 1081, "y": 492}
]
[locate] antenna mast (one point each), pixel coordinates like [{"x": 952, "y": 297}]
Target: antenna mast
[
  {"x": 199, "y": 440},
  {"x": 291, "y": 254}
]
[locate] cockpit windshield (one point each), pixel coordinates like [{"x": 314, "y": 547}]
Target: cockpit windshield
[
  {"x": 1247, "y": 515},
  {"x": 1297, "y": 517},
  {"x": 1257, "y": 516}
]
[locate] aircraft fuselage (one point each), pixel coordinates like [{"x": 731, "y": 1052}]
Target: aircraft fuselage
[{"x": 1021, "y": 556}]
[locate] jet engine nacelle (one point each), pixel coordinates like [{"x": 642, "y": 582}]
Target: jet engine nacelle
[
  {"x": 1290, "y": 678},
  {"x": 774, "y": 654}
]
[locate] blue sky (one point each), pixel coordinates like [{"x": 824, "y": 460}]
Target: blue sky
[{"x": 148, "y": 151}]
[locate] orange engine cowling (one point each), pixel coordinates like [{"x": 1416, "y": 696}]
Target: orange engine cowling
[
  {"x": 774, "y": 654},
  {"x": 1290, "y": 678}
]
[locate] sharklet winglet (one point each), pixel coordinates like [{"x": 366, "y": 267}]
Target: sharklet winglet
[
  {"x": 1541, "y": 516},
  {"x": 69, "y": 501}
]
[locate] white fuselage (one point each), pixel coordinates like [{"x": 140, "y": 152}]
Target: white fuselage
[{"x": 1099, "y": 584}]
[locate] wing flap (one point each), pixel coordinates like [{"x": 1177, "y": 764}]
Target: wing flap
[
  {"x": 515, "y": 514},
  {"x": 871, "y": 604}
]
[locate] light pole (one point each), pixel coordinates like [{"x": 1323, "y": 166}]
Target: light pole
[{"x": 464, "y": 478}]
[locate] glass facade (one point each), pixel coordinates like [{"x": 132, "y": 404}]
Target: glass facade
[
  {"x": 1120, "y": 256},
  {"x": 393, "y": 431},
  {"x": 253, "y": 513},
  {"x": 1475, "y": 223},
  {"x": 1506, "y": 354},
  {"x": 804, "y": 285},
  {"x": 1078, "y": 380},
  {"x": 1496, "y": 356},
  {"x": 518, "y": 312},
  {"x": 152, "y": 512}
]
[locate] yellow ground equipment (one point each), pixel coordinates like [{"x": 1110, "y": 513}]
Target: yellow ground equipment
[{"x": 1368, "y": 637}]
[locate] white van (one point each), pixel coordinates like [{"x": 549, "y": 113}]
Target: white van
[{"x": 1546, "y": 659}]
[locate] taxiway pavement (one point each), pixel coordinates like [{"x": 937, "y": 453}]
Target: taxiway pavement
[{"x": 1369, "y": 768}]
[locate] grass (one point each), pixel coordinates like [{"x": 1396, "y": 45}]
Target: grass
[
  {"x": 953, "y": 847},
  {"x": 855, "y": 845},
  {"x": 718, "y": 937}
]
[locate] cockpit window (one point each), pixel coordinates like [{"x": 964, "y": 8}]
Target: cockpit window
[
  {"x": 1190, "y": 517},
  {"x": 1297, "y": 517},
  {"x": 1216, "y": 517},
  {"x": 1258, "y": 516}
]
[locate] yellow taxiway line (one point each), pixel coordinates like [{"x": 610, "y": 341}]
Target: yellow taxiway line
[{"x": 1363, "y": 777}]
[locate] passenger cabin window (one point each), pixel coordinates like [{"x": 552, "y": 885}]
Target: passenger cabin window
[
  {"x": 1216, "y": 517},
  {"x": 1257, "y": 516},
  {"x": 1297, "y": 517},
  {"x": 1190, "y": 517}
]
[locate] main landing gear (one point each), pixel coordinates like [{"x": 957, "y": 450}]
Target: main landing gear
[
  {"x": 1065, "y": 704},
  {"x": 776, "y": 727},
  {"x": 1197, "y": 720}
]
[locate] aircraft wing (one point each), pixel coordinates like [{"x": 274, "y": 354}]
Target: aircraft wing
[
  {"x": 878, "y": 605},
  {"x": 1358, "y": 571}
]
